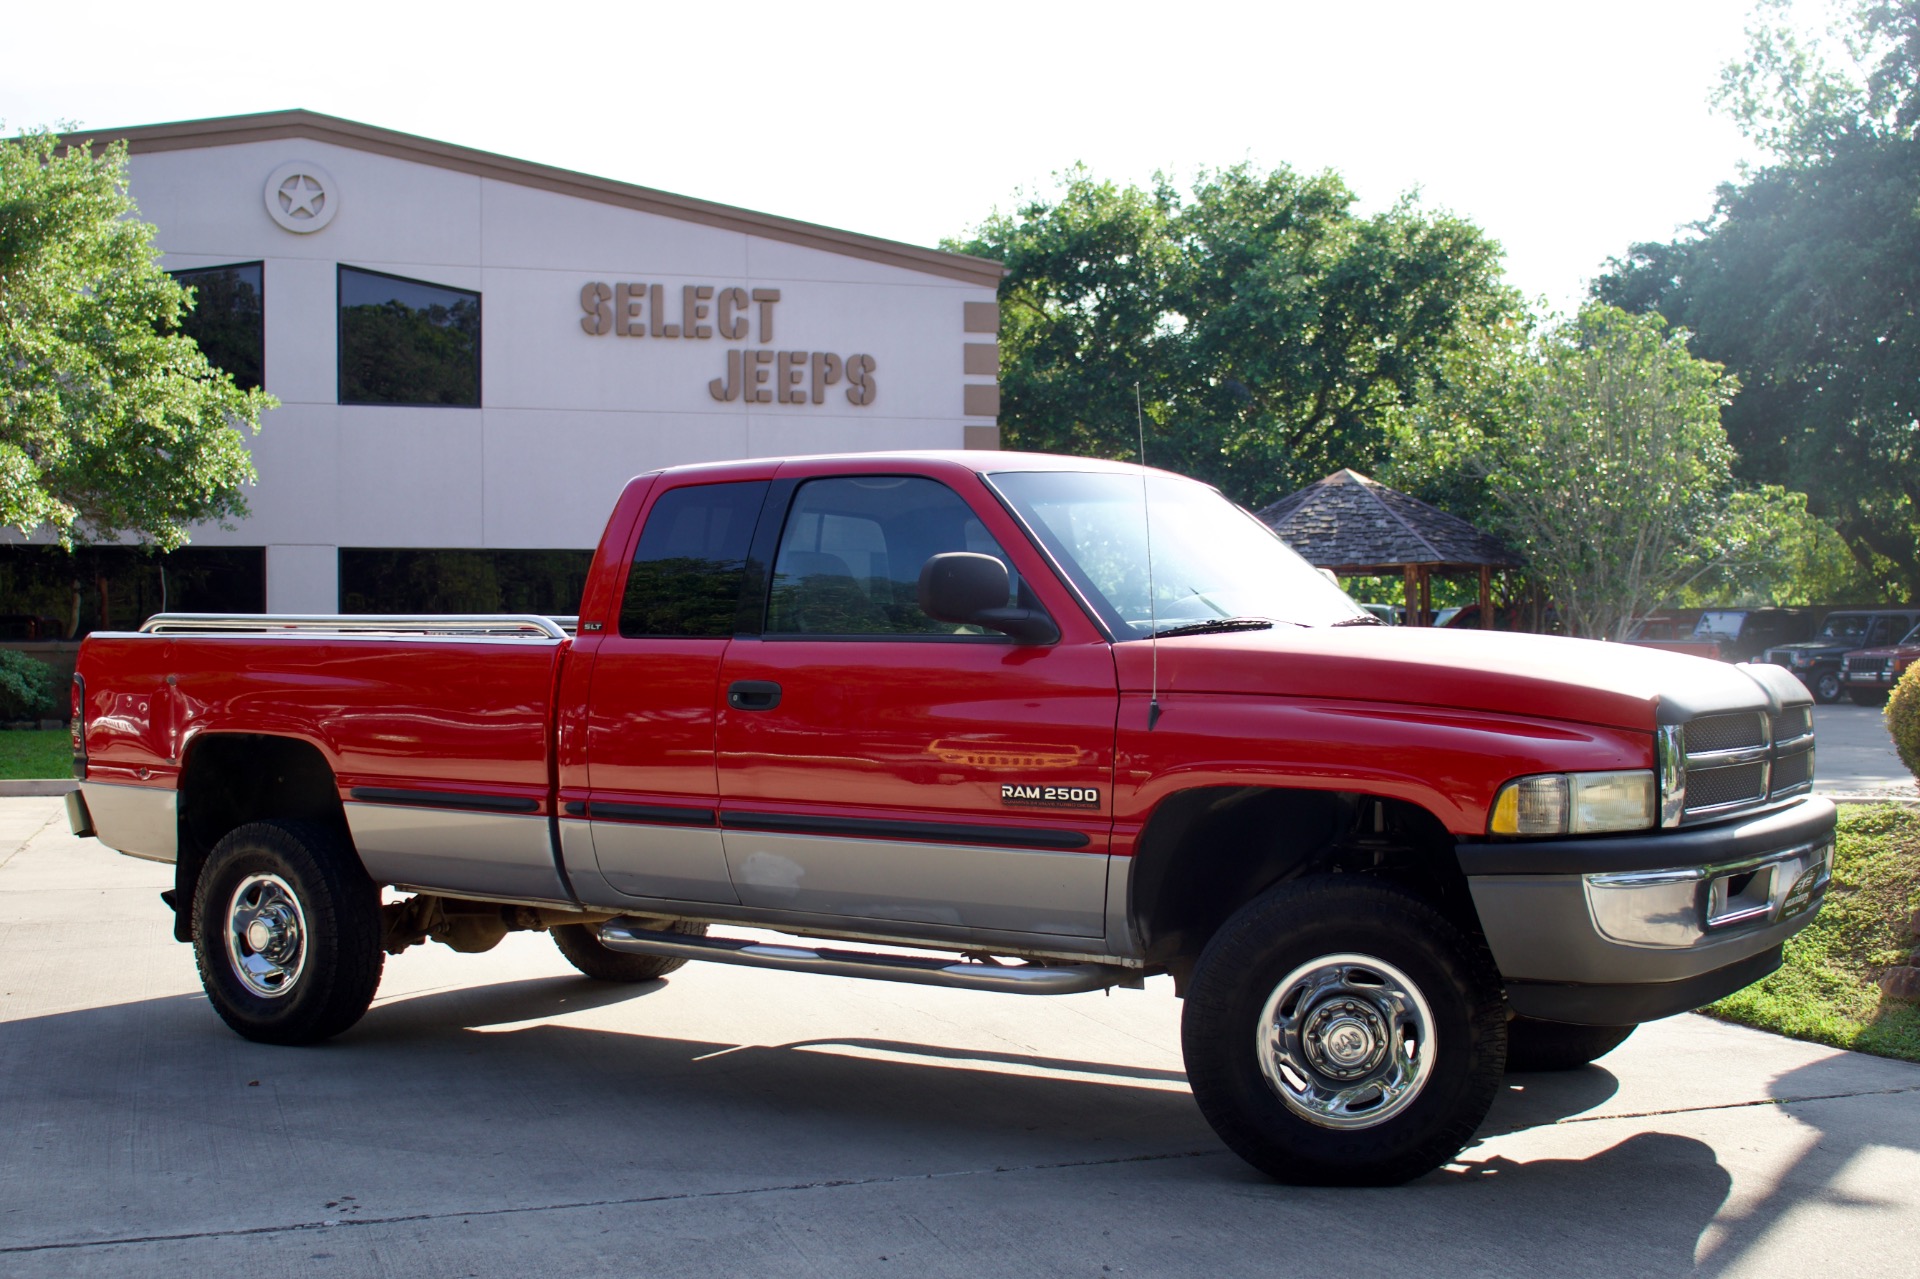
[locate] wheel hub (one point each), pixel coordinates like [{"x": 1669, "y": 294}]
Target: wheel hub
[{"x": 1346, "y": 1041}]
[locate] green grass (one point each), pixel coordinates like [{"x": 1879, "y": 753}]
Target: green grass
[
  {"x": 36, "y": 753},
  {"x": 1828, "y": 991}
]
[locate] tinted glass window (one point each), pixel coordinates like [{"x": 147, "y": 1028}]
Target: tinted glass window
[
  {"x": 691, "y": 562},
  {"x": 227, "y": 319},
  {"x": 48, "y": 593},
  {"x": 851, "y": 552},
  {"x": 404, "y": 580},
  {"x": 407, "y": 341}
]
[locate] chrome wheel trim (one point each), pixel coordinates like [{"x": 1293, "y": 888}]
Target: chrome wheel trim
[
  {"x": 1346, "y": 1041},
  {"x": 266, "y": 936}
]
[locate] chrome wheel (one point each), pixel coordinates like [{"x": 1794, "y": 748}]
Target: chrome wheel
[
  {"x": 1346, "y": 1041},
  {"x": 266, "y": 935}
]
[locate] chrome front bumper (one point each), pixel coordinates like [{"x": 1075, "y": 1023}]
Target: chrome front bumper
[
  {"x": 1618, "y": 929},
  {"x": 1680, "y": 908}
]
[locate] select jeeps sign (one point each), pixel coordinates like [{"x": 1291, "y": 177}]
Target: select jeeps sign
[{"x": 701, "y": 312}]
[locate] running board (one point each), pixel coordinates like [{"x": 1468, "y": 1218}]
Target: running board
[{"x": 1021, "y": 979}]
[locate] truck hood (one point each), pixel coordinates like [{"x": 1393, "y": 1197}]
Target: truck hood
[
  {"x": 1539, "y": 676},
  {"x": 1887, "y": 650}
]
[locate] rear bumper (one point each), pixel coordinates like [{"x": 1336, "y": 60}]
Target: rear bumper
[{"x": 1614, "y": 931}]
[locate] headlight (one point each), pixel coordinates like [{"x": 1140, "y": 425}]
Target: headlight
[{"x": 1574, "y": 804}]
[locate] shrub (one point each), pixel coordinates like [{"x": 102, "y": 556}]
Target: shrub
[
  {"x": 1903, "y": 718},
  {"x": 26, "y": 687}
]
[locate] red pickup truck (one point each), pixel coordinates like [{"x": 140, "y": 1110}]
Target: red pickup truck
[{"x": 1063, "y": 723}]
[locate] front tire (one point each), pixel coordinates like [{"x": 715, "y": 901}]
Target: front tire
[
  {"x": 581, "y": 945},
  {"x": 1553, "y": 1045},
  {"x": 286, "y": 932},
  {"x": 1341, "y": 1031},
  {"x": 1827, "y": 687}
]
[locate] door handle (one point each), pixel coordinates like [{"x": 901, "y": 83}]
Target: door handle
[{"x": 753, "y": 695}]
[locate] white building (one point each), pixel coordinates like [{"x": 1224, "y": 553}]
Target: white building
[{"x": 472, "y": 353}]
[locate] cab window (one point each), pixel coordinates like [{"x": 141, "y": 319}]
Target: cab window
[{"x": 850, "y": 556}]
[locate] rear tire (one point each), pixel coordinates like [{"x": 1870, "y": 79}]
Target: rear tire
[
  {"x": 1868, "y": 696},
  {"x": 1341, "y": 1031},
  {"x": 1552, "y": 1045},
  {"x": 1827, "y": 687},
  {"x": 286, "y": 932},
  {"x": 581, "y": 945}
]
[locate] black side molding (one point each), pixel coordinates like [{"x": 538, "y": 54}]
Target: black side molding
[
  {"x": 653, "y": 814},
  {"x": 443, "y": 799},
  {"x": 941, "y": 832}
]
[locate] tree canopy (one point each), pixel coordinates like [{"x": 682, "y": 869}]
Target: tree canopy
[
  {"x": 1805, "y": 280},
  {"x": 111, "y": 421},
  {"x": 1612, "y": 473},
  {"x": 1274, "y": 333}
]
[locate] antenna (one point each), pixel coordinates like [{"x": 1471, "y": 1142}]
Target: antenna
[{"x": 1153, "y": 613}]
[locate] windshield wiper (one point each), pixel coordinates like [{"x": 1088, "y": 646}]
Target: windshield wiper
[
  {"x": 1217, "y": 626},
  {"x": 1365, "y": 619}
]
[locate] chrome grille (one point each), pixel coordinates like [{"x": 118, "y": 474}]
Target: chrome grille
[
  {"x": 1791, "y": 773},
  {"x": 1718, "y": 787},
  {"x": 1736, "y": 762},
  {"x": 1726, "y": 732},
  {"x": 1794, "y": 721}
]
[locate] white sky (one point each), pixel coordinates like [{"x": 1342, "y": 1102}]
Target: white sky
[{"x": 1566, "y": 130}]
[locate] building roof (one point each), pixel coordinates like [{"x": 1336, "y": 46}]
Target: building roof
[
  {"x": 272, "y": 126},
  {"x": 1348, "y": 522}
]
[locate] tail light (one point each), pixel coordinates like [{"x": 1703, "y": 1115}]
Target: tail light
[{"x": 77, "y": 726}]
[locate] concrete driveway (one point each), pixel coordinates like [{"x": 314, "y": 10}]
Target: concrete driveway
[
  {"x": 1854, "y": 755},
  {"x": 496, "y": 1115}
]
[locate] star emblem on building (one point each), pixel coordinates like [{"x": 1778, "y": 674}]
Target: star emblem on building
[{"x": 301, "y": 195}]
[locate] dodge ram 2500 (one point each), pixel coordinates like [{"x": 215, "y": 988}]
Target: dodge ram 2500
[{"x": 1064, "y": 723}]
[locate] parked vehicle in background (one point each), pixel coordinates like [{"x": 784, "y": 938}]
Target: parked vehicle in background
[
  {"x": 1390, "y": 614},
  {"x": 1869, "y": 674},
  {"x": 1673, "y": 635},
  {"x": 1744, "y": 633},
  {"x": 1817, "y": 661}
]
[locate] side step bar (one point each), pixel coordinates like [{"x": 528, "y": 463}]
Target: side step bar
[{"x": 1022, "y": 979}]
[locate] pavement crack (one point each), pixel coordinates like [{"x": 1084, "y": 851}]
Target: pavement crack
[
  {"x": 1730, "y": 1105},
  {"x": 841, "y": 1183}
]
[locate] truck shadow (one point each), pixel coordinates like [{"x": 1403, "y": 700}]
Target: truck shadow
[{"x": 480, "y": 1096}]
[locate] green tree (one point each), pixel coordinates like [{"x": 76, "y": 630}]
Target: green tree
[
  {"x": 1614, "y": 476},
  {"x": 1804, "y": 280},
  {"x": 1275, "y": 334},
  {"x": 111, "y": 421}
]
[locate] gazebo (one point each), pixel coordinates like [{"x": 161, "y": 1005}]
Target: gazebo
[{"x": 1354, "y": 526}]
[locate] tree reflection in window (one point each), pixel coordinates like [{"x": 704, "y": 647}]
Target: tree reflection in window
[
  {"x": 227, "y": 321},
  {"x": 691, "y": 563},
  {"x": 407, "y": 342}
]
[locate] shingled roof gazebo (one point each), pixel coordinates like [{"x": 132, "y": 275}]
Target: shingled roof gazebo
[{"x": 1354, "y": 526}]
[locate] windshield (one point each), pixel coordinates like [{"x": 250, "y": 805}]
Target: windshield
[
  {"x": 1719, "y": 624},
  {"x": 1211, "y": 560},
  {"x": 1844, "y": 626}
]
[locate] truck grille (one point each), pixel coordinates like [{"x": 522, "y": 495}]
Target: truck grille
[{"x": 1743, "y": 761}]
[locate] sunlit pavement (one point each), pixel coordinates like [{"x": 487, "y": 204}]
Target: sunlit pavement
[
  {"x": 1854, "y": 755},
  {"x": 496, "y": 1115}
]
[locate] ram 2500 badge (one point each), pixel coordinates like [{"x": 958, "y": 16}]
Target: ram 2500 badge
[{"x": 1068, "y": 724}]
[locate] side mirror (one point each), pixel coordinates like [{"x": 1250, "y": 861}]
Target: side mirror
[{"x": 971, "y": 590}]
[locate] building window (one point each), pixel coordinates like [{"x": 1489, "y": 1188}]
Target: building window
[
  {"x": 407, "y": 342},
  {"x": 228, "y": 319},
  {"x": 48, "y": 593},
  {"x": 378, "y": 580},
  {"x": 692, "y": 562}
]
